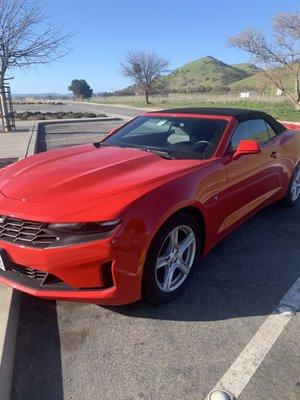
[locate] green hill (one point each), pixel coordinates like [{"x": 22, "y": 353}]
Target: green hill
[
  {"x": 259, "y": 83},
  {"x": 207, "y": 74},
  {"x": 250, "y": 69}
]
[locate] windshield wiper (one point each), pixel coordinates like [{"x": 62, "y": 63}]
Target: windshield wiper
[{"x": 161, "y": 153}]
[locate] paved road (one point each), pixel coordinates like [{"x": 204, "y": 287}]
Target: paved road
[
  {"x": 178, "y": 350},
  {"x": 110, "y": 110}
]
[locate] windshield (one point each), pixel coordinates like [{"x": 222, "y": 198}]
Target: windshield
[{"x": 183, "y": 138}]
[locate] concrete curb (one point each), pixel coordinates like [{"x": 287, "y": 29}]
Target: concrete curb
[
  {"x": 32, "y": 145},
  {"x": 9, "y": 316},
  {"x": 76, "y": 120}
]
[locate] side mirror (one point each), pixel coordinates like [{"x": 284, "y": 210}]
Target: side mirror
[
  {"x": 246, "y": 147},
  {"x": 113, "y": 130}
]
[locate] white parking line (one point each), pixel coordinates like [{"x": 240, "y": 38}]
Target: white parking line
[{"x": 241, "y": 371}]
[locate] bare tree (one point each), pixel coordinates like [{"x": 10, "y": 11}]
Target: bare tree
[
  {"x": 26, "y": 38},
  {"x": 144, "y": 68},
  {"x": 278, "y": 57}
]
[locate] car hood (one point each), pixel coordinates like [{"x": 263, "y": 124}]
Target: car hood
[{"x": 85, "y": 173}]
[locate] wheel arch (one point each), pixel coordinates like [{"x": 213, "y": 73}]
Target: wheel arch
[
  {"x": 191, "y": 209},
  {"x": 199, "y": 217}
]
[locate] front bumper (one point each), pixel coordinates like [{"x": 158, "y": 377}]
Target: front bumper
[{"x": 78, "y": 271}]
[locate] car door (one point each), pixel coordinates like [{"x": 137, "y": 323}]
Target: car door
[{"x": 253, "y": 178}]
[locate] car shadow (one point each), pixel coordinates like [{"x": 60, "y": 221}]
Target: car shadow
[
  {"x": 37, "y": 370},
  {"x": 245, "y": 275}
]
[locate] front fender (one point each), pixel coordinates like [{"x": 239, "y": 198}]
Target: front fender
[{"x": 161, "y": 203}]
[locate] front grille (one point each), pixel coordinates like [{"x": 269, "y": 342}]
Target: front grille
[
  {"x": 30, "y": 272},
  {"x": 27, "y": 233}
]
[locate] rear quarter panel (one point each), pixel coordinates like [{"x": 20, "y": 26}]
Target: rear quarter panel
[{"x": 289, "y": 151}]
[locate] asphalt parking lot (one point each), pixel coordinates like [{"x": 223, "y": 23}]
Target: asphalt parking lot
[
  {"x": 70, "y": 134},
  {"x": 178, "y": 350}
]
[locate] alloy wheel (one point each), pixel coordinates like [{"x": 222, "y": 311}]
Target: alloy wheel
[
  {"x": 175, "y": 258},
  {"x": 295, "y": 188}
]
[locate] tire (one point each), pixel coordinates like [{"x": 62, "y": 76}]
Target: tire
[
  {"x": 293, "y": 192},
  {"x": 157, "y": 285}
]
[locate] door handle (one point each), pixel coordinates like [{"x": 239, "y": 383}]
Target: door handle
[{"x": 274, "y": 154}]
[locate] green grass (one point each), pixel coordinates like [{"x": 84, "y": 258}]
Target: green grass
[
  {"x": 247, "y": 67},
  {"x": 281, "y": 111}
]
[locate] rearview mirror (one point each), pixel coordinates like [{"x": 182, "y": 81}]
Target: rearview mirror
[{"x": 246, "y": 147}]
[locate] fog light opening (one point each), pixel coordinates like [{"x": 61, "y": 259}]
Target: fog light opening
[{"x": 106, "y": 273}]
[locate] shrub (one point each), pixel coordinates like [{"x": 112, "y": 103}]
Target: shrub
[{"x": 37, "y": 115}]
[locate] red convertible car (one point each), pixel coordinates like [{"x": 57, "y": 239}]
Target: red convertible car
[{"x": 130, "y": 217}]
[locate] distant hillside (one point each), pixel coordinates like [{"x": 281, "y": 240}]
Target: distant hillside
[
  {"x": 259, "y": 82},
  {"x": 250, "y": 69},
  {"x": 207, "y": 74},
  {"x": 211, "y": 75}
]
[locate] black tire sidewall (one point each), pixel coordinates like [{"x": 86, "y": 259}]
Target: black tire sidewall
[
  {"x": 288, "y": 197},
  {"x": 150, "y": 290}
]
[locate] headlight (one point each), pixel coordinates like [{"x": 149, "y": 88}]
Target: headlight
[
  {"x": 85, "y": 227},
  {"x": 70, "y": 233}
]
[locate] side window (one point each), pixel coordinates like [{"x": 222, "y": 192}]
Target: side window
[
  {"x": 255, "y": 129},
  {"x": 272, "y": 133}
]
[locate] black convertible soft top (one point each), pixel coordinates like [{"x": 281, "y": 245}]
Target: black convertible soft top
[{"x": 239, "y": 114}]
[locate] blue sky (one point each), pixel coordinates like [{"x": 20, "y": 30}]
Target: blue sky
[{"x": 181, "y": 31}]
